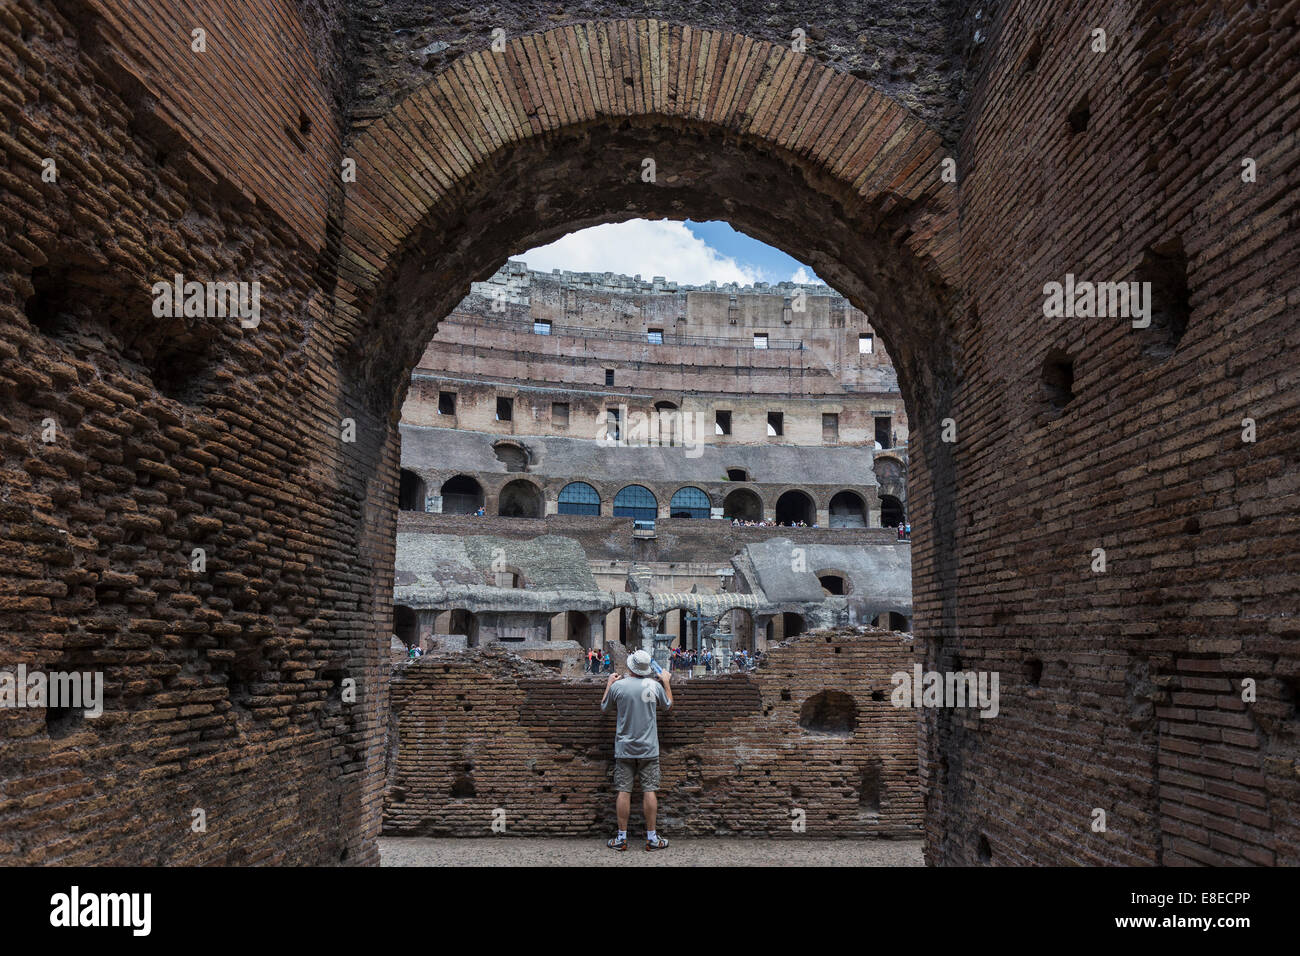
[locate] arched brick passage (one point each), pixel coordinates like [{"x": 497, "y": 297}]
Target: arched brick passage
[
  {"x": 240, "y": 452},
  {"x": 507, "y": 150}
]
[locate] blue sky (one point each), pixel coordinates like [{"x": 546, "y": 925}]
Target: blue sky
[{"x": 691, "y": 253}]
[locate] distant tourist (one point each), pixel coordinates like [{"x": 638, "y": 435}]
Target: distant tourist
[
  {"x": 637, "y": 696},
  {"x": 606, "y": 662}
]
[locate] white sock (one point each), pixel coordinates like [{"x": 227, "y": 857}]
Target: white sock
[
  {"x": 622, "y": 834},
  {"x": 651, "y": 836}
]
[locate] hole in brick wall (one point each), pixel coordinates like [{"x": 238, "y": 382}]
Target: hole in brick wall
[
  {"x": 1035, "y": 53},
  {"x": 343, "y": 857},
  {"x": 1165, "y": 267},
  {"x": 304, "y": 124},
  {"x": 832, "y": 712},
  {"x": 1291, "y": 696},
  {"x": 957, "y": 663},
  {"x": 869, "y": 794},
  {"x": 463, "y": 786},
  {"x": 61, "y": 721},
  {"x": 838, "y": 649},
  {"x": 1192, "y": 526},
  {"x": 237, "y": 857},
  {"x": 983, "y": 850},
  {"x": 877, "y": 695},
  {"x": 1034, "y": 672},
  {"x": 1079, "y": 116},
  {"x": 795, "y": 791},
  {"x": 1058, "y": 379},
  {"x": 785, "y": 695},
  {"x": 47, "y": 307}
]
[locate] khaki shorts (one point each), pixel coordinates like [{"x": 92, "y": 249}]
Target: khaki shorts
[{"x": 646, "y": 772}]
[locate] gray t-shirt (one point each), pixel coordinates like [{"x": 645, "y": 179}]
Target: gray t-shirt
[{"x": 637, "y": 737}]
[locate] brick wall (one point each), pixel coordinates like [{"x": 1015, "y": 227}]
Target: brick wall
[
  {"x": 171, "y": 435},
  {"x": 1138, "y": 709},
  {"x": 734, "y": 758}
]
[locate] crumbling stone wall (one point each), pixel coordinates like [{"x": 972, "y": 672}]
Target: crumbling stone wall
[{"x": 483, "y": 731}]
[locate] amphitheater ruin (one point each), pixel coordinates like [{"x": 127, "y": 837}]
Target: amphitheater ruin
[{"x": 244, "y": 511}]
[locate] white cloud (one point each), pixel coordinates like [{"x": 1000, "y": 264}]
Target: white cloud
[
  {"x": 641, "y": 247},
  {"x": 803, "y": 276}
]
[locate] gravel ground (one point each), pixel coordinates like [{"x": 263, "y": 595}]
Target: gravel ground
[{"x": 683, "y": 851}]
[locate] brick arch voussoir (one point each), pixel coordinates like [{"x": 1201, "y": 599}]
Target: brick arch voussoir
[{"x": 414, "y": 163}]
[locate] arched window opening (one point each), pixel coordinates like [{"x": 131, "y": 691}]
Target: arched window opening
[
  {"x": 689, "y": 503},
  {"x": 742, "y": 505},
  {"x": 579, "y": 498},
  {"x": 795, "y": 508},
  {"x": 520, "y": 499},
  {"x": 461, "y": 495},
  {"x": 833, "y": 583},
  {"x": 637, "y": 503},
  {"x": 848, "y": 510}
]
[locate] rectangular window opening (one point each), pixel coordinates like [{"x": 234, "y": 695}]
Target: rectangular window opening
[
  {"x": 560, "y": 414},
  {"x": 505, "y": 409},
  {"x": 830, "y": 427},
  {"x": 541, "y": 327},
  {"x": 655, "y": 336},
  {"x": 446, "y": 403},
  {"x": 760, "y": 340},
  {"x": 866, "y": 343},
  {"x": 722, "y": 423},
  {"x": 775, "y": 424},
  {"x": 609, "y": 376},
  {"x": 884, "y": 432}
]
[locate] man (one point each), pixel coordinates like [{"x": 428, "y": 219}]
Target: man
[{"x": 637, "y": 696}]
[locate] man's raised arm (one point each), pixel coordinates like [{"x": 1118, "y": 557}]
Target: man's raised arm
[{"x": 604, "y": 701}]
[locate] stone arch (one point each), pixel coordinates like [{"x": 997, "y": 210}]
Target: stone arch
[
  {"x": 521, "y": 499},
  {"x": 847, "y": 509},
  {"x": 636, "y": 501},
  {"x": 505, "y": 151},
  {"x": 794, "y": 506},
  {"x": 743, "y": 504},
  {"x": 578, "y": 498},
  {"x": 834, "y": 581},
  {"x": 861, "y": 198},
  {"x": 461, "y": 495},
  {"x": 690, "y": 502}
]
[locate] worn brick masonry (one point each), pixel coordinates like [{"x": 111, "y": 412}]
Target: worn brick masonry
[
  {"x": 480, "y": 731},
  {"x": 1122, "y": 690}
]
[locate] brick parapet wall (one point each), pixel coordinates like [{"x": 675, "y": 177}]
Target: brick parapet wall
[{"x": 734, "y": 758}]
